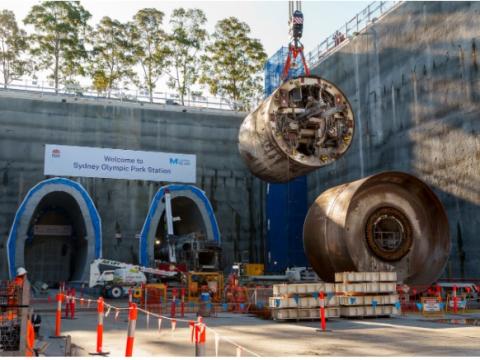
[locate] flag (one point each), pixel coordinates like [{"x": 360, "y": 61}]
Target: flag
[
  {"x": 108, "y": 311},
  {"x": 329, "y": 296},
  {"x": 117, "y": 313},
  {"x": 174, "y": 325},
  {"x": 239, "y": 352},
  {"x": 159, "y": 324},
  {"x": 148, "y": 320}
]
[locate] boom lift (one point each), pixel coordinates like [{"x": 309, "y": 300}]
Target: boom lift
[{"x": 115, "y": 277}]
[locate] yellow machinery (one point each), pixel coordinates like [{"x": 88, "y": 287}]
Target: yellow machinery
[
  {"x": 253, "y": 269},
  {"x": 213, "y": 280}
]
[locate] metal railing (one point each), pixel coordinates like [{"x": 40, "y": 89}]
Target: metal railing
[
  {"x": 357, "y": 24},
  {"x": 122, "y": 95}
]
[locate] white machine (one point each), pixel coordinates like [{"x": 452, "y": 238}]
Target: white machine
[{"x": 115, "y": 277}]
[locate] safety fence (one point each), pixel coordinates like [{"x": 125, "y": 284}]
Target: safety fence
[
  {"x": 198, "y": 328},
  {"x": 421, "y": 300},
  {"x": 14, "y": 305},
  {"x": 353, "y": 27},
  {"x": 121, "y": 95},
  {"x": 440, "y": 300}
]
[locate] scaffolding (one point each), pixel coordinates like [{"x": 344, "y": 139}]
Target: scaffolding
[
  {"x": 274, "y": 67},
  {"x": 14, "y": 305}
]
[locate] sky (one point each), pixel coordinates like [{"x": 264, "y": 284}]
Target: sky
[{"x": 268, "y": 20}]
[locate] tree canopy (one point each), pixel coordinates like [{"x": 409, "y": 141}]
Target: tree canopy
[
  {"x": 111, "y": 58},
  {"x": 115, "y": 54},
  {"x": 13, "y": 46},
  {"x": 150, "y": 49},
  {"x": 233, "y": 63},
  {"x": 186, "y": 41},
  {"x": 58, "y": 43}
]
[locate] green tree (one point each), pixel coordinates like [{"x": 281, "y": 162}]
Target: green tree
[
  {"x": 186, "y": 42},
  {"x": 100, "y": 81},
  {"x": 232, "y": 68},
  {"x": 112, "y": 60},
  {"x": 13, "y": 46},
  {"x": 59, "y": 38},
  {"x": 149, "y": 47}
]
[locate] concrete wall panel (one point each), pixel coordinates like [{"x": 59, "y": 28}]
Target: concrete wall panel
[
  {"x": 413, "y": 79},
  {"x": 29, "y": 121}
]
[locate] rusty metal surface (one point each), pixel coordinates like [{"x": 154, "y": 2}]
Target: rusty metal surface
[
  {"x": 338, "y": 229},
  {"x": 305, "y": 124}
]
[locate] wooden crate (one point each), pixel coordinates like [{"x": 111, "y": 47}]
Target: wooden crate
[
  {"x": 368, "y": 311},
  {"x": 302, "y": 288},
  {"x": 304, "y": 314},
  {"x": 377, "y": 276}
]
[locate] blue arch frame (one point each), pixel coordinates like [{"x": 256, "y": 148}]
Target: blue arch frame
[
  {"x": 143, "y": 253},
  {"x": 92, "y": 210}
]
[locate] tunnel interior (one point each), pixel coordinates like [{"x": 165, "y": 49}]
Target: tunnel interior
[
  {"x": 56, "y": 244},
  {"x": 188, "y": 224},
  {"x": 389, "y": 233},
  {"x": 313, "y": 120}
]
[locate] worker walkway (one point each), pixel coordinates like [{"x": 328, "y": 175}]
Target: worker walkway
[{"x": 399, "y": 336}]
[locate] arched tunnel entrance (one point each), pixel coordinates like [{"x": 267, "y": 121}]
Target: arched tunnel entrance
[
  {"x": 194, "y": 226},
  {"x": 56, "y": 233},
  {"x": 189, "y": 223},
  {"x": 56, "y": 248}
]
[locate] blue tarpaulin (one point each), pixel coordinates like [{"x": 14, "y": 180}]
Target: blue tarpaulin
[{"x": 286, "y": 203}]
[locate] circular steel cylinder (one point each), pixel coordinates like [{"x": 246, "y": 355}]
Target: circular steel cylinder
[
  {"x": 305, "y": 124},
  {"x": 390, "y": 221}
]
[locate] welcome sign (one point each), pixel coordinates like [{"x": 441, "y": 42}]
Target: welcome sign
[{"x": 81, "y": 161}]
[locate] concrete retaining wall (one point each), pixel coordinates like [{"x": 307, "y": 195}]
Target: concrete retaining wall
[
  {"x": 28, "y": 122},
  {"x": 413, "y": 79}
]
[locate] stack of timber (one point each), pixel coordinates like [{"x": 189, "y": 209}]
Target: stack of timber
[
  {"x": 367, "y": 294},
  {"x": 302, "y": 301}
]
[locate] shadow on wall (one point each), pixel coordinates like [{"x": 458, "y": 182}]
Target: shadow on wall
[{"x": 414, "y": 82}]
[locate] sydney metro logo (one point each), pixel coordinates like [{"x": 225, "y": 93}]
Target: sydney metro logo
[{"x": 181, "y": 162}]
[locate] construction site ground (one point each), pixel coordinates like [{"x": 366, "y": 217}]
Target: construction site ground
[{"x": 405, "y": 335}]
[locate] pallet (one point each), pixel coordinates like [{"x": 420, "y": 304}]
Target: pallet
[
  {"x": 355, "y": 300},
  {"x": 303, "y": 302},
  {"x": 367, "y": 311},
  {"x": 353, "y": 277},
  {"x": 366, "y": 287},
  {"x": 306, "y": 288},
  {"x": 303, "y": 314}
]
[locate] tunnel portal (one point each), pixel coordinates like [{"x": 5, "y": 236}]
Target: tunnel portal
[
  {"x": 56, "y": 233},
  {"x": 194, "y": 226}
]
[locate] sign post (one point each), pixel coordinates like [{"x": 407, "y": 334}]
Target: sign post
[{"x": 431, "y": 306}]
